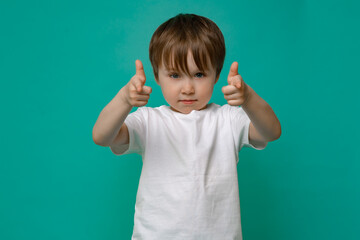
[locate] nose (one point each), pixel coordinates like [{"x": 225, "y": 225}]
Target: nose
[{"x": 188, "y": 87}]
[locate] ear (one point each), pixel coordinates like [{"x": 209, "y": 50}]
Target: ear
[
  {"x": 157, "y": 80},
  {"x": 217, "y": 78}
]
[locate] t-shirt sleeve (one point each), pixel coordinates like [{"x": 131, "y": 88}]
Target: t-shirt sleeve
[
  {"x": 136, "y": 125},
  {"x": 240, "y": 123}
]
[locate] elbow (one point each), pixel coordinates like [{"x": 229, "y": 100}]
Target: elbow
[
  {"x": 97, "y": 140},
  {"x": 278, "y": 132},
  {"x": 277, "y": 136}
]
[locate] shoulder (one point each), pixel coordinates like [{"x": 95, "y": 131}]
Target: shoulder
[
  {"x": 147, "y": 110},
  {"x": 236, "y": 111},
  {"x": 229, "y": 111},
  {"x": 155, "y": 111},
  {"x": 145, "y": 113},
  {"x": 161, "y": 108}
]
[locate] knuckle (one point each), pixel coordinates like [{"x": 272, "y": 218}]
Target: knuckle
[
  {"x": 132, "y": 89},
  {"x": 133, "y": 79}
]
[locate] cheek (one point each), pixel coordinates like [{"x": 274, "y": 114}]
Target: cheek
[
  {"x": 169, "y": 90},
  {"x": 206, "y": 89}
]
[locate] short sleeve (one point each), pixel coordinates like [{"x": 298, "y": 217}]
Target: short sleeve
[
  {"x": 136, "y": 125},
  {"x": 240, "y": 124}
]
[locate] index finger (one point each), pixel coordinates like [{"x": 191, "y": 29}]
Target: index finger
[
  {"x": 140, "y": 69},
  {"x": 233, "y": 70}
]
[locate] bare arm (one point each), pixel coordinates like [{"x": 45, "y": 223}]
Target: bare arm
[
  {"x": 265, "y": 126},
  {"x": 109, "y": 129},
  {"x": 110, "y": 121}
]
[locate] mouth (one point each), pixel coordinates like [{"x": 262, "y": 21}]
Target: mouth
[{"x": 188, "y": 101}]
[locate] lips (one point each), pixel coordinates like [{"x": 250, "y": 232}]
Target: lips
[{"x": 188, "y": 101}]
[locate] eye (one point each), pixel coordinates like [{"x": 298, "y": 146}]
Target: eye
[
  {"x": 199, "y": 75},
  {"x": 174, "y": 75}
]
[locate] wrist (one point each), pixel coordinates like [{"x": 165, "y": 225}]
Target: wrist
[
  {"x": 122, "y": 97},
  {"x": 248, "y": 93}
]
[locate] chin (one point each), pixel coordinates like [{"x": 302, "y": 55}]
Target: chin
[
  {"x": 186, "y": 112},
  {"x": 183, "y": 111}
]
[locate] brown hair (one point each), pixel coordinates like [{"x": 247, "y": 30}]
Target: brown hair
[{"x": 175, "y": 37}]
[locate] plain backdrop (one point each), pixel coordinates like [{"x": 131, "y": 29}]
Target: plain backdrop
[{"x": 62, "y": 61}]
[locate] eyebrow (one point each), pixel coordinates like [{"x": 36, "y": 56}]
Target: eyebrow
[{"x": 174, "y": 70}]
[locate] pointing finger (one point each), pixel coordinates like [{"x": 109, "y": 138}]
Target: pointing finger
[
  {"x": 233, "y": 70},
  {"x": 140, "y": 69}
]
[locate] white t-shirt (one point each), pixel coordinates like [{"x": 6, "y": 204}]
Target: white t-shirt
[{"x": 188, "y": 187}]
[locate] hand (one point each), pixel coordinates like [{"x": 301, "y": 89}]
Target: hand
[
  {"x": 236, "y": 93},
  {"x": 136, "y": 94}
]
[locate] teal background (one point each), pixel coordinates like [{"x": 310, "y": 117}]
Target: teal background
[{"x": 61, "y": 62}]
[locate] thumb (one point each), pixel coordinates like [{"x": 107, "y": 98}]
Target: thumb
[
  {"x": 140, "y": 69},
  {"x": 233, "y": 71}
]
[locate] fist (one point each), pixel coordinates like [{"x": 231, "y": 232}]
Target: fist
[
  {"x": 136, "y": 93},
  {"x": 236, "y": 92}
]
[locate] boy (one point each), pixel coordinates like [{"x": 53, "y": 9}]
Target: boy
[{"x": 188, "y": 187}]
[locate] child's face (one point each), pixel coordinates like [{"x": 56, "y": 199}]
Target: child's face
[{"x": 178, "y": 87}]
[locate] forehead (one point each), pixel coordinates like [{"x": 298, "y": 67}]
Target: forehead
[
  {"x": 178, "y": 63},
  {"x": 173, "y": 63}
]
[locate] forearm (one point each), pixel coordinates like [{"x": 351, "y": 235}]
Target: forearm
[
  {"x": 262, "y": 116},
  {"x": 110, "y": 120}
]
